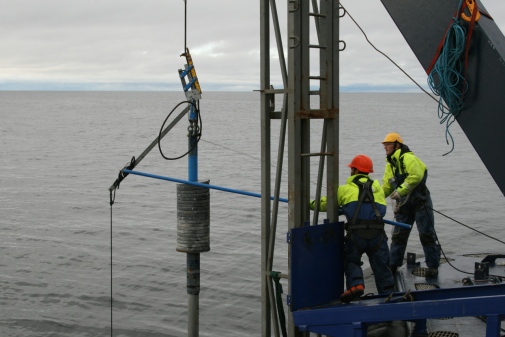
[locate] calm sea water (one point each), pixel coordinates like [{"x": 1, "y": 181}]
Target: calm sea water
[{"x": 61, "y": 151}]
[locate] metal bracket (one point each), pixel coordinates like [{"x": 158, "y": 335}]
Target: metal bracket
[
  {"x": 295, "y": 4},
  {"x": 296, "y": 41},
  {"x": 411, "y": 259},
  {"x": 481, "y": 272}
]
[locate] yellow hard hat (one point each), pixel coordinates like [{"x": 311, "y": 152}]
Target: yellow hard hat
[{"x": 393, "y": 137}]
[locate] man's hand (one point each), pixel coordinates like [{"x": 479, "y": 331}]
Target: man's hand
[
  {"x": 395, "y": 196},
  {"x": 396, "y": 208}
]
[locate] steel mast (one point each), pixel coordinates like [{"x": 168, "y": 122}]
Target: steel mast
[{"x": 310, "y": 91}]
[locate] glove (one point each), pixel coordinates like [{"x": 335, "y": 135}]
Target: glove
[
  {"x": 395, "y": 196},
  {"x": 312, "y": 204},
  {"x": 396, "y": 208}
]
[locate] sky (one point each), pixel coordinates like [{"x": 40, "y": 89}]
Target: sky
[{"x": 136, "y": 45}]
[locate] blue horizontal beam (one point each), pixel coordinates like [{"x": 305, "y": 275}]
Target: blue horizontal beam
[
  {"x": 194, "y": 183},
  {"x": 225, "y": 189},
  {"x": 331, "y": 321}
]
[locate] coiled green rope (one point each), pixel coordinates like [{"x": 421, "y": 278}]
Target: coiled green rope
[{"x": 447, "y": 79}]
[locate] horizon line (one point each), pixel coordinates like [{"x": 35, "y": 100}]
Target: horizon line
[{"x": 170, "y": 87}]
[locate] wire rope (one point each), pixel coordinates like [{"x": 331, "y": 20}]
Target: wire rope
[
  {"x": 250, "y": 156},
  {"x": 462, "y": 224},
  {"x": 185, "y": 23},
  {"x": 236, "y": 151},
  {"x": 440, "y": 245},
  {"x": 386, "y": 56}
]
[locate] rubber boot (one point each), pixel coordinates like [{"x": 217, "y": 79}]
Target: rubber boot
[{"x": 352, "y": 293}]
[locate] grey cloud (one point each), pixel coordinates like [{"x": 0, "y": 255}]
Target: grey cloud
[{"x": 140, "y": 41}]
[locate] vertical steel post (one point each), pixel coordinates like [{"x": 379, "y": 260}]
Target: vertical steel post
[
  {"x": 265, "y": 164},
  {"x": 301, "y": 86},
  {"x": 298, "y": 128},
  {"x": 329, "y": 100},
  {"x": 329, "y": 63}
]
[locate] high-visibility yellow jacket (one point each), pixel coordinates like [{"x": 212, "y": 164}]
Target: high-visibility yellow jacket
[
  {"x": 404, "y": 172},
  {"x": 348, "y": 195}
]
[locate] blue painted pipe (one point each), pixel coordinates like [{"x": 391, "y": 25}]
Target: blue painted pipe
[
  {"x": 214, "y": 187},
  {"x": 399, "y": 224},
  {"x": 219, "y": 188},
  {"x": 193, "y": 147}
]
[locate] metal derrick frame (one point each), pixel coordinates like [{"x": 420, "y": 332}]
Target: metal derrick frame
[{"x": 295, "y": 116}]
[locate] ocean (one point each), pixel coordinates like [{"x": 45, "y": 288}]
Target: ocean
[{"x": 61, "y": 151}]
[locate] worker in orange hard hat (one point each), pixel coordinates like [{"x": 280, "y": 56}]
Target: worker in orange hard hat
[
  {"x": 363, "y": 203},
  {"x": 404, "y": 180},
  {"x": 361, "y": 163}
]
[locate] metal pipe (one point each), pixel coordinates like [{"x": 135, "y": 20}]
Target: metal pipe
[
  {"x": 155, "y": 142},
  {"x": 193, "y": 290},
  {"x": 389, "y": 222},
  {"x": 271, "y": 297},
  {"x": 320, "y": 172},
  {"x": 280, "y": 156},
  {"x": 193, "y": 144},
  {"x": 214, "y": 187},
  {"x": 193, "y": 259},
  {"x": 395, "y": 223}
]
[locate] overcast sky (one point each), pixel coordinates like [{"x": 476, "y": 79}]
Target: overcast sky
[{"x": 135, "y": 44}]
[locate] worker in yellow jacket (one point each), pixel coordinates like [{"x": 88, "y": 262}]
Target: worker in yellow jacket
[{"x": 405, "y": 182}]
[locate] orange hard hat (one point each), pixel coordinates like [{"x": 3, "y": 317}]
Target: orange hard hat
[
  {"x": 393, "y": 137},
  {"x": 362, "y": 163}
]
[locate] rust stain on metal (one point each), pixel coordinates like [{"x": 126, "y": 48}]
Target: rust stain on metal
[{"x": 312, "y": 114}]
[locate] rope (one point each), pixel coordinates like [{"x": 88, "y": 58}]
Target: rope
[
  {"x": 278, "y": 298},
  {"x": 452, "y": 92},
  {"x": 185, "y": 23},
  {"x": 447, "y": 78},
  {"x": 250, "y": 156},
  {"x": 385, "y": 55},
  {"x": 451, "y": 85},
  {"x": 440, "y": 245},
  {"x": 462, "y": 224},
  {"x": 237, "y": 152}
]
